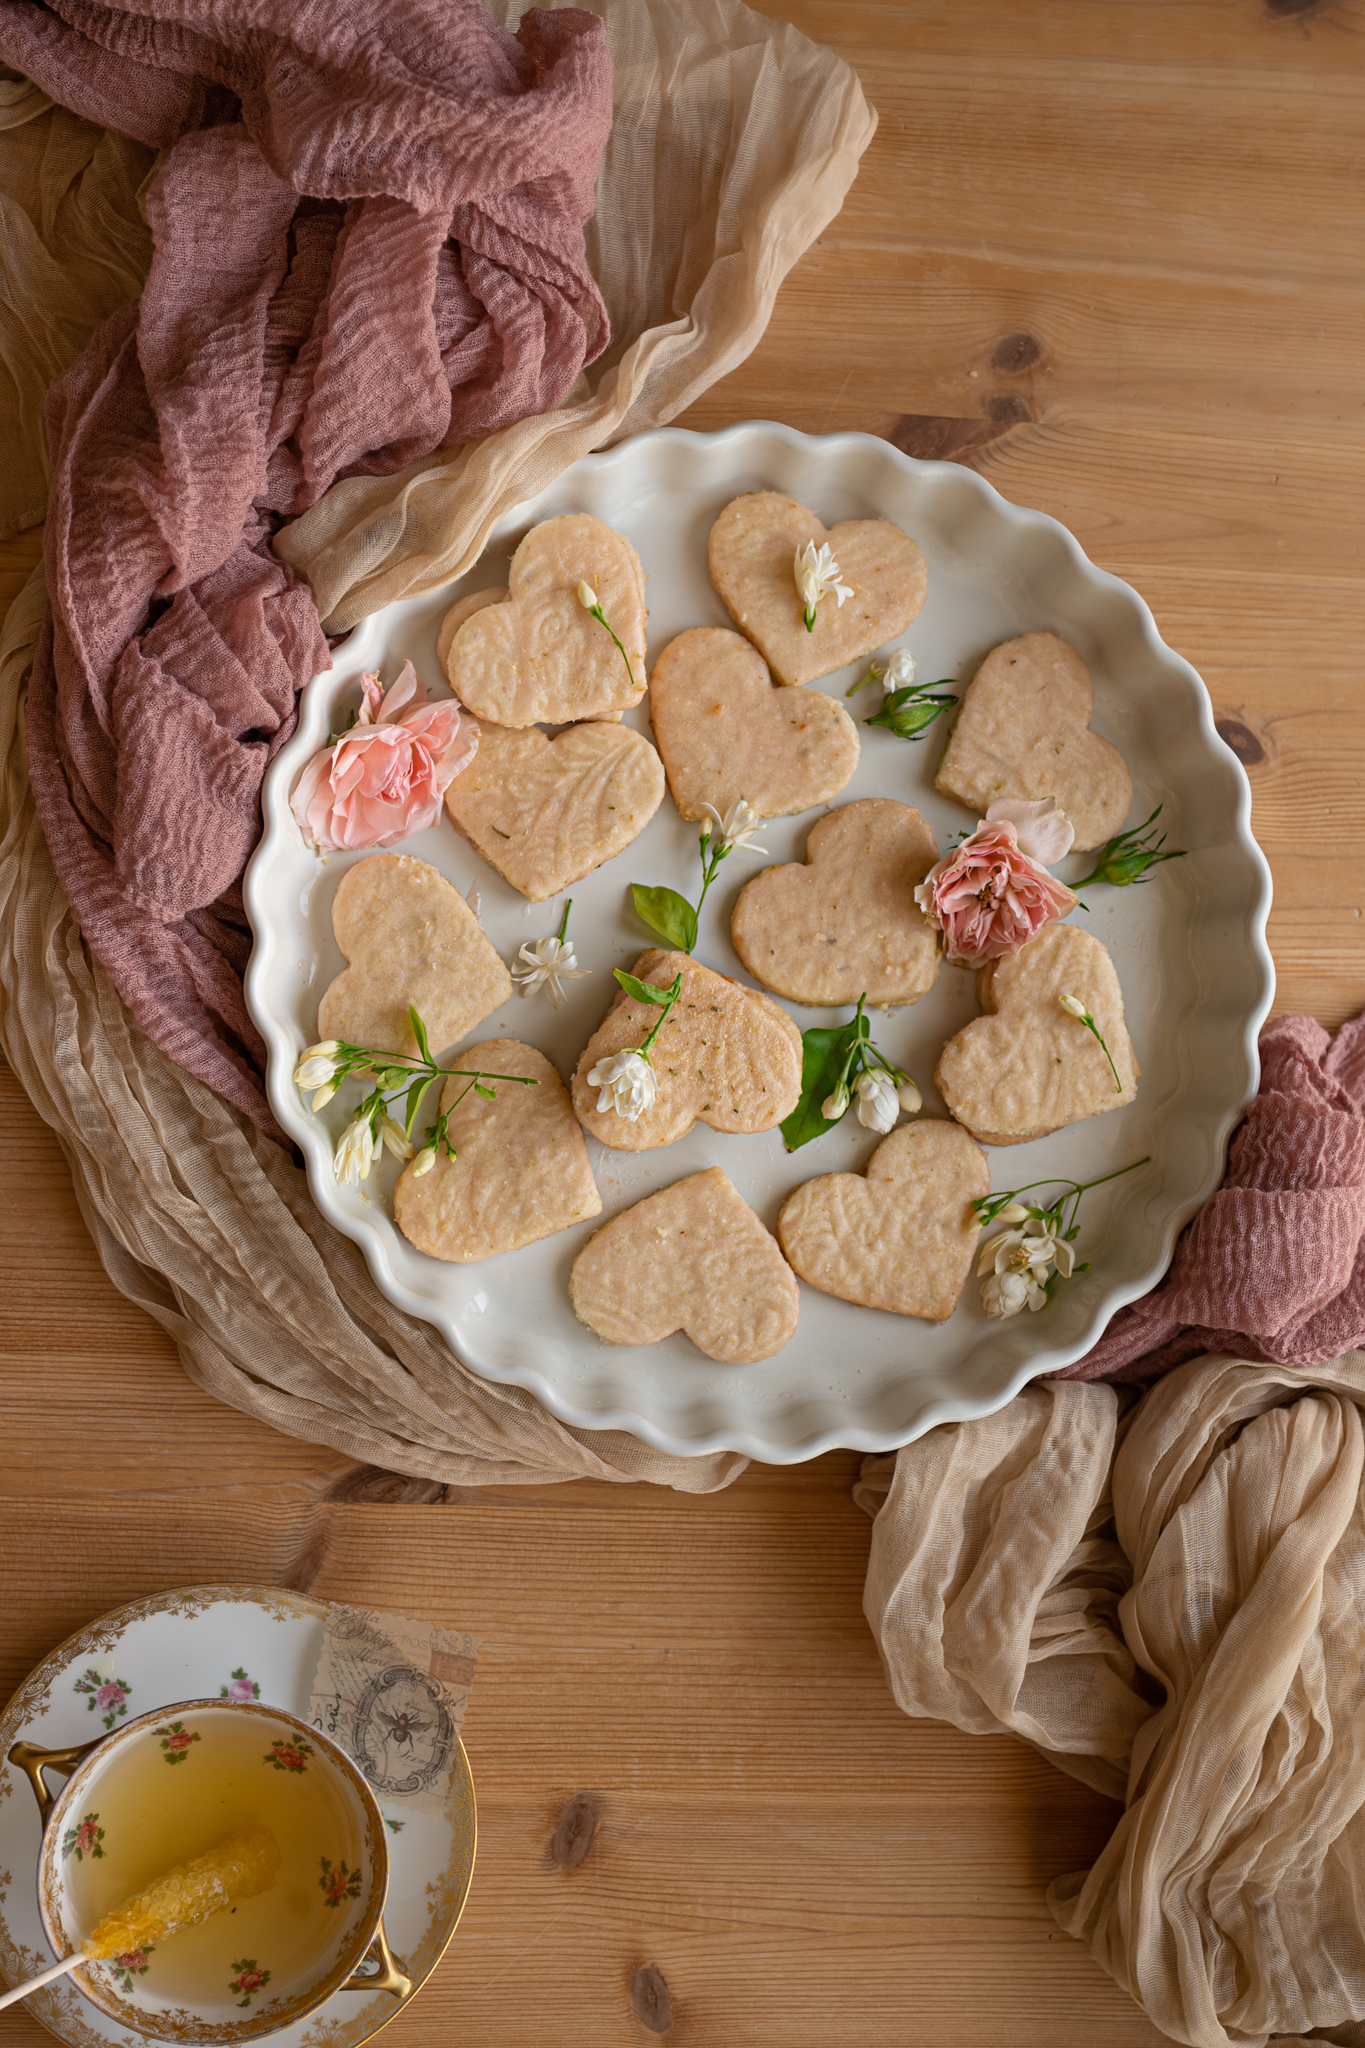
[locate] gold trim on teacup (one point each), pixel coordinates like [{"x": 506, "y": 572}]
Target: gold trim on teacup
[{"x": 180, "y": 2024}]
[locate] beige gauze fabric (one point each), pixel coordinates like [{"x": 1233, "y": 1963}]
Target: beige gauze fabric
[
  {"x": 1168, "y": 1599},
  {"x": 735, "y": 141},
  {"x": 73, "y": 249}
]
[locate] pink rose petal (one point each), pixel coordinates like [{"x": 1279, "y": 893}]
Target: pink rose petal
[{"x": 1045, "y": 834}]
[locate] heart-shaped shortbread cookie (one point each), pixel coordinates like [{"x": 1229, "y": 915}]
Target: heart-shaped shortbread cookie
[
  {"x": 899, "y": 1236},
  {"x": 725, "y": 730},
  {"x": 521, "y": 1167},
  {"x": 410, "y": 938},
  {"x": 539, "y": 656},
  {"x": 693, "y": 1258},
  {"x": 726, "y": 1056},
  {"x": 462, "y": 609},
  {"x": 546, "y": 812},
  {"x": 844, "y": 922},
  {"x": 1026, "y": 1067},
  {"x": 1023, "y": 731},
  {"x": 751, "y": 554}
]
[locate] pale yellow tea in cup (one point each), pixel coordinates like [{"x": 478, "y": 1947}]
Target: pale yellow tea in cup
[{"x": 173, "y": 1790}]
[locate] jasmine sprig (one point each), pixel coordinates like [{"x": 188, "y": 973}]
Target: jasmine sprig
[
  {"x": 837, "y": 1065},
  {"x": 626, "y": 1081},
  {"x": 671, "y": 915},
  {"x": 1021, "y": 1267},
  {"x": 373, "y": 1129},
  {"x": 1005, "y": 1206},
  {"x": 1074, "y": 1007},
  {"x": 588, "y": 598},
  {"x": 1127, "y": 856}
]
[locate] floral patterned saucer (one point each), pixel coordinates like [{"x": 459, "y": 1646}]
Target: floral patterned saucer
[{"x": 226, "y": 1642}]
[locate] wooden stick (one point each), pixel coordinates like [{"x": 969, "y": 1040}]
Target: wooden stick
[{"x": 37, "y": 1983}]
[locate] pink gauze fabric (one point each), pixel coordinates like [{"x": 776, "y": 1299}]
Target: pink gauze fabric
[
  {"x": 1273, "y": 1267},
  {"x": 368, "y": 232}
]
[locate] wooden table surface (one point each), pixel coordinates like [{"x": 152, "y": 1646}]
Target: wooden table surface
[{"x": 1109, "y": 252}]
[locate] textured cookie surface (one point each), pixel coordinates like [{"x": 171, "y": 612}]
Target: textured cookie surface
[
  {"x": 545, "y": 812},
  {"x": 693, "y": 1258},
  {"x": 900, "y": 1236},
  {"x": 410, "y": 937},
  {"x": 1023, "y": 731},
  {"x": 725, "y": 730},
  {"x": 539, "y": 656},
  {"x": 462, "y": 609},
  {"x": 751, "y": 553},
  {"x": 844, "y": 921},
  {"x": 1026, "y": 1067},
  {"x": 522, "y": 1168},
  {"x": 726, "y": 1056}
]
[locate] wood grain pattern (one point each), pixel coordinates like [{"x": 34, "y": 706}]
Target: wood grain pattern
[{"x": 1108, "y": 252}]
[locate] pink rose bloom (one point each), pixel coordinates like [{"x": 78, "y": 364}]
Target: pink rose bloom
[
  {"x": 385, "y": 778},
  {"x": 240, "y": 1689},
  {"x": 993, "y": 894},
  {"x": 110, "y": 1695}
]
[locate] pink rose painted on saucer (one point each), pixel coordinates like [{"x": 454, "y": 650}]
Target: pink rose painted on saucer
[
  {"x": 993, "y": 893},
  {"x": 385, "y": 778}
]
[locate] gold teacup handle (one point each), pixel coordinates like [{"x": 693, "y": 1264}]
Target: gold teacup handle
[
  {"x": 390, "y": 1976},
  {"x": 33, "y": 1761}
]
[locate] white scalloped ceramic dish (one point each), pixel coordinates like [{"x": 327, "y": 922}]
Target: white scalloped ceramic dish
[{"x": 1189, "y": 947}]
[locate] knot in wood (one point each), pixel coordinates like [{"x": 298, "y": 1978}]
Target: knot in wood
[
  {"x": 650, "y": 1999},
  {"x": 1241, "y": 739},
  {"x": 1016, "y": 353},
  {"x": 578, "y": 1823}
]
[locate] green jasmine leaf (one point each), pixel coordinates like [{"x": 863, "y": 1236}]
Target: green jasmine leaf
[
  {"x": 414, "y": 1100},
  {"x": 419, "y": 1032},
  {"x": 643, "y": 991},
  {"x": 823, "y": 1052},
  {"x": 668, "y": 914},
  {"x": 488, "y": 1094}
]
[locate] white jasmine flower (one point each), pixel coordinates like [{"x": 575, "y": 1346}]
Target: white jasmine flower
[
  {"x": 627, "y": 1084},
  {"x": 324, "y": 1095},
  {"x": 1074, "y": 1007},
  {"x": 551, "y": 962},
  {"x": 424, "y": 1161},
  {"x": 909, "y": 1097},
  {"x": 1027, "y": 1257},
  {"x": 899, "y": 670},
  {"x": 817, "y": 573},
  {"x": 736, "y": 828},
  {"x": 833, "y": 1106},
  {"x": 355, "y": 1153},
  {"x": 878, "y": 1103},
  {"x": 1013, "y": 1212},
  {"x": 587, "y": 596},
  {"x": 316, "y": 1066},
  {"x": 1004, "y": 1294},
  {"x": 394, "y": 1138}
]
